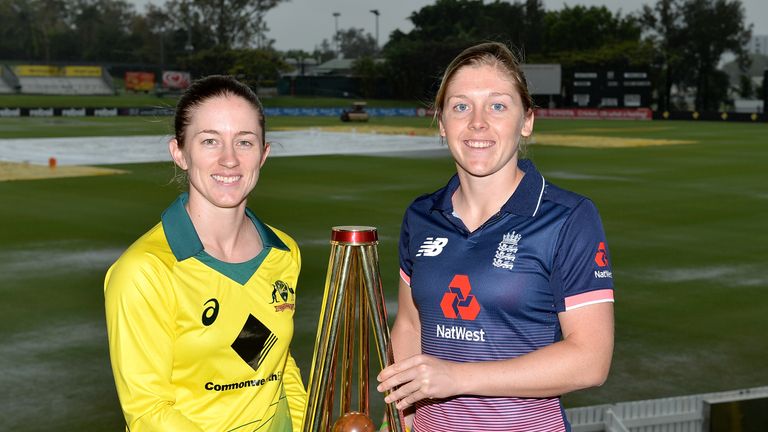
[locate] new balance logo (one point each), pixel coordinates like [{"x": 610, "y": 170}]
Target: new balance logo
[{"x": 432, "y": 246}]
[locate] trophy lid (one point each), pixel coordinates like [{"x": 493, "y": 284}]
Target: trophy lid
[{"x": 354, "y": 235}]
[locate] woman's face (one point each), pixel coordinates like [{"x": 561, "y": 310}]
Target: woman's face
[
  {"x": 483, "y": 119},
  {"x": 223, "y": 152}
]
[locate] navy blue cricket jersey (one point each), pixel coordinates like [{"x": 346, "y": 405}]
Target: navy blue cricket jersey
[{"x": 495, "y": 293}]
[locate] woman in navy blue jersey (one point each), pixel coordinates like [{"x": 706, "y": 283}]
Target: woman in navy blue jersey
[{"x": 506, "y": 291}]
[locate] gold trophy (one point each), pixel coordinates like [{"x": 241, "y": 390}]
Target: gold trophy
[{"x": 353, "y": 300}]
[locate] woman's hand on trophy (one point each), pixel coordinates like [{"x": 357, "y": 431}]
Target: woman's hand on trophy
[{"x": 418, "y": 377}]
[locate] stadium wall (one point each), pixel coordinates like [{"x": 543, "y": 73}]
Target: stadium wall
[
  {"x": 675, "y": 414},
  {"x": 642, "y": 114}
]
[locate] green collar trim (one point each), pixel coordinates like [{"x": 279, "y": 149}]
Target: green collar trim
[
  {"x": 185, "y": 243},
  {"x": 238, "y": 272},
  {"x": 179, "y": 231}
]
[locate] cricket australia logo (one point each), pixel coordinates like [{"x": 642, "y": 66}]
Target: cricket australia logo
[
  {"x": 432, "y": 246},
  {"x": 281, "y": 291},
  {"x": 505, "y": 253}
]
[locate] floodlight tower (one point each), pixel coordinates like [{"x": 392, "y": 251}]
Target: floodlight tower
[
  {"x": 376, "y": 12},
  {"x": 336, "y": 29}
]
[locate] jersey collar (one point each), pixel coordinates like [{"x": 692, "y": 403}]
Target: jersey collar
[
  {"x": 183, "y": 239},
  {"x": 524, "y": 202}
]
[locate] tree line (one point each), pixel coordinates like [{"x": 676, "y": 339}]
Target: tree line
[{"x": 680, "y": 42}]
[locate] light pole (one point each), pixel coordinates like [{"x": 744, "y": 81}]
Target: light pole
[
  {"x": 336, "y": 33},
  {"x": 376, "y": 12},
  {"x": 188, "y": 19},
  {"x": 162, "y": 47}
]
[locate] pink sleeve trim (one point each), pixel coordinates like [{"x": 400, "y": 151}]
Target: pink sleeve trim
[
  {"x": 588, "y": 298},
  {"x": 405, "y": 277}
]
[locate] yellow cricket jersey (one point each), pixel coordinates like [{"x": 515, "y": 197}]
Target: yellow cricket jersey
[{"x": 197, "y": 344}]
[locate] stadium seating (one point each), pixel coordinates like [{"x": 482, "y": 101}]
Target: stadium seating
[
  {"x": 4, "y": 87},
  {"x": 8, "y": 81},
  {"x": 56, "y": 80},
  {"x": 64, "y": 85}
]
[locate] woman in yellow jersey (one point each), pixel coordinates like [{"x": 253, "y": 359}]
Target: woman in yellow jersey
[{"x": 200, "y": 308}]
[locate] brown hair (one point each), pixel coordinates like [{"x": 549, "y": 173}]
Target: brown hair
[
  {"x": 488, "y": 53},
  {"x": 210, "y": 87}
]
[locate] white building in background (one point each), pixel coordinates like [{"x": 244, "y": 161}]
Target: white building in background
[{"x": 758, "y": 45}]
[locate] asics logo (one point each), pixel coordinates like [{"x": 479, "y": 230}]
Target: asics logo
[
  {"x": 211, "y": 312},
  {"x": 432, "y": 246}
]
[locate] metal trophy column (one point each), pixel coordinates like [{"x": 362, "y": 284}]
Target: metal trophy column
[{"x": 353, "y": 303}]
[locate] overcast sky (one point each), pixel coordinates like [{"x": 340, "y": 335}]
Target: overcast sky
[{"x": 303, "y": 24}]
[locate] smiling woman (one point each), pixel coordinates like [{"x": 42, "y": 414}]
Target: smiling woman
[
  {"x": 505, "y": 278},
  {"x": 222, "y": 150},
  {"x": 194, "y": 298}
]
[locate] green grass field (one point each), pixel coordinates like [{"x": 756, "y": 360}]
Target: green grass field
[{"x": 686, "y": 225}]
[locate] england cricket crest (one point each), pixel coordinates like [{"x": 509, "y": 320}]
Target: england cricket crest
[{"x": 505, "y": 253}]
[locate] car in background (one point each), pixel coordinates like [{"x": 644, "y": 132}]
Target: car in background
[{"x": 356, "y": 112}]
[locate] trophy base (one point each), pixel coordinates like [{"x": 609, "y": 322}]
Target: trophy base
[{"x": 354, "y": 422}]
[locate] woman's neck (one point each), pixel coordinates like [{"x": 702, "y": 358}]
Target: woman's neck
[
  {"x": 227, "y": 234},
  {"x": 479, "y": 198}
]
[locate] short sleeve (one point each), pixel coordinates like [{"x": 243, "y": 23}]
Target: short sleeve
[
  {"x": 406, "y": 261},
  {"x": 582, "y": 273}
]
